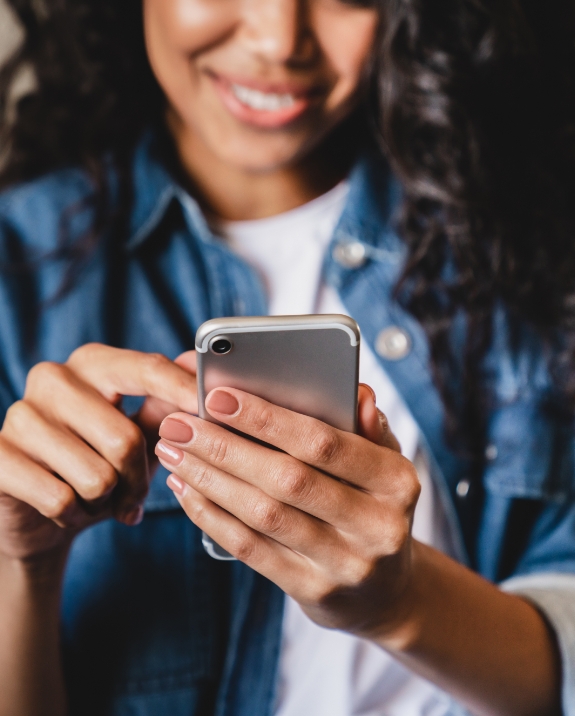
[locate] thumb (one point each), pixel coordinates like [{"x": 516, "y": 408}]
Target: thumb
[
  {"x": 188, "y": 362},
  {"x": 372, "y": 422},
  {"x": 154, "y": 410}
]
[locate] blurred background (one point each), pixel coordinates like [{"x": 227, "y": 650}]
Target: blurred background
[{"x": 9, "y": 34}]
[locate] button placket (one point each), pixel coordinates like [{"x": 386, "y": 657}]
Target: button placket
[
  {"x": 350, "y": 254},
  {"x": 462, "y": 488},
  {"x": 491, "y": 452},
  {"x": 393, "y": 343}
]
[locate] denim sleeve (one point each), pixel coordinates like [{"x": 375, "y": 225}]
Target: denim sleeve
[{"x": 554, "y": 595}]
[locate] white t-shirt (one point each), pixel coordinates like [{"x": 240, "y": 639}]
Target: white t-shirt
[{"x": 325, "y": 672}]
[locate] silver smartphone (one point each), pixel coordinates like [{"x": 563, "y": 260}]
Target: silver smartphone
[{"x": 308, "y": 364}]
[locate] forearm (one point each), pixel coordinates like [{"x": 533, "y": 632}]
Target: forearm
[
  {"x": 491, "y": 650},
  {"x": 31, "y": 681}
]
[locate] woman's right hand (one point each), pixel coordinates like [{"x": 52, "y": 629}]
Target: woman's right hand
[{"x": 69, "y": 457}]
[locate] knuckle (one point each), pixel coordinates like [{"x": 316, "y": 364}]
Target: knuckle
[
  {"x": 18, "y": 416},
  {"x": 410, "y": 487},
  {"x": 217, "y": 449},
  {"x": 43, "y": 374},
  {"x": 358, "y": 571},
  {"x": 397, "y": 536},
  {"x": 268, "y": 517},
  {"x": 242, "y": 546},
  {"x": 262, "y": 421},
  {"x": 60, "y": 504},
  {"x": 324, "y": 446},
  {"x": 195, "y": 510},
  {"x": 202, "y": 476},
  {"x": 84, "y": 353},
  {"x": 128, "y": 445},
  {"x": 102, "y": 482},
  {"x": 155, "y": 363},
  {"x": 293, "y": 481},
  {"x": 414, "y": 491}
]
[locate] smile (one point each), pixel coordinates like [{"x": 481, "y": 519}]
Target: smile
[
  {"x": 265, "y": 107},
  {"x": 262, "y": 101}
]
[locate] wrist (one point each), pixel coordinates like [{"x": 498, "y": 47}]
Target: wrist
[
  {"x": 401, "y": 628},
  {"x": 42, "y": 572}
]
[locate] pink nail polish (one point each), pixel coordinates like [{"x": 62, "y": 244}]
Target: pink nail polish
[
  {"x": 169, "y": 454},
  {"x": 175, "y": 484},
  {"x": 176, "y": 431},
  {"x": 222, "y": 402}
]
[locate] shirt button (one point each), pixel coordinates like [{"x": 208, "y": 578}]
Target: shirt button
[
  {"x": 393, "y": 343},
  {"x": 491, "y": 452},
  {"x": 350, "y": 254},
  {"x": 462, "y": 488}
]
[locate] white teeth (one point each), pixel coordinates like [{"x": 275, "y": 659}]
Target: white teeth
[{"x": 262, "y": 100}]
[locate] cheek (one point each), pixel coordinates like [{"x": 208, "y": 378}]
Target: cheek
[
  {"x": 187, "y": 25},
  {"x": 176, "y": 31},
  {"x": 347, "y": 41}
]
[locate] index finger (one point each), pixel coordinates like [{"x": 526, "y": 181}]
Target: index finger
[
  {"x": 115, "y": 372},
  {"x": 344, "y": 455}
]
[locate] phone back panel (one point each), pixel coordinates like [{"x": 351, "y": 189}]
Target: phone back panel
[{"x": 308, "y": 364}]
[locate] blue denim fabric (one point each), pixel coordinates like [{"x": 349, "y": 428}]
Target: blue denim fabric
[{"x": 151, "y": 625}]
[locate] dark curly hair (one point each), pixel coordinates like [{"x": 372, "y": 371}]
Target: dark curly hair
[
  {"x": 93, "y": 96},
  {"x": 477, "y": 115}
]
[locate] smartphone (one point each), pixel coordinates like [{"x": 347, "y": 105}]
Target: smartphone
[{"x": 308, "y": 364}]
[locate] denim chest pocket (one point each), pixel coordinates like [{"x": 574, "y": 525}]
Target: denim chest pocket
[
  {"x": 530, "y": 454},
  {"x": 144, "y": 614}
]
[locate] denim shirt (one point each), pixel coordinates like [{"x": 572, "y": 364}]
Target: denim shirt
[{"x": 150, "y": 624}]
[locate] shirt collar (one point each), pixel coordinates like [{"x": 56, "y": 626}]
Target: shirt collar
[
  {"x": 373, "y": 197},
  {"x": 154, "y": 191}
]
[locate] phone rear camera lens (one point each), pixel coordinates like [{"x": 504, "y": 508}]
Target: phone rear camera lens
[{"x": 221, "y": 346}]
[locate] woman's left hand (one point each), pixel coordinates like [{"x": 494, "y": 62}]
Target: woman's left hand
[{"x": 340, "y": 547}]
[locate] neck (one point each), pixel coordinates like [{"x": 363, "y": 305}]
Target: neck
[{"x": 235, "y": 194}]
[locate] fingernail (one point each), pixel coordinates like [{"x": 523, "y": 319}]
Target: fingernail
[
  {"x": 169, "y": 454},
  {"x": 133, "y": 517},
  {"x": 371, "y": 390},
  {"x": 220, "y": 401},
  {"x": 176, "y": 431},
  {"x": 175, "y": 484}
]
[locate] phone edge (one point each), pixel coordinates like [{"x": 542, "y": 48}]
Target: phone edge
[{"x": 235, "y": 324}]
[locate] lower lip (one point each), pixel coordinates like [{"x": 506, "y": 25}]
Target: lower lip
[{"x": 273, "y": 119}]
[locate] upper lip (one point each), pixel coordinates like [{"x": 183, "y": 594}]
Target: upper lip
[{"x": 296, "y": 89}]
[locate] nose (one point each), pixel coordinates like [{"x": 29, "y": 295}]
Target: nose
[{"x": 278, "y": 31}]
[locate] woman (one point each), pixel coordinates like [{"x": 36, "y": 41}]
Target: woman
[{"x": 257, "y": 109}]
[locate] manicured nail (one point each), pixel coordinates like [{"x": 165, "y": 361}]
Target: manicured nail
[
  {"x": 176, "y": 431},
  {"x": 133, "y": 517},
  {"x": 222, "y": 402},
  {"x": 169, "y": 454},
  {"x": 175, "y": 484}
]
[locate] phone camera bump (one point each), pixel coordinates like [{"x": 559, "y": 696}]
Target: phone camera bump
[{"x": 221, "y": 346}]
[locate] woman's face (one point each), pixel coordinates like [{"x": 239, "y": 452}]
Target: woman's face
[{"x": 259, "y": 82}]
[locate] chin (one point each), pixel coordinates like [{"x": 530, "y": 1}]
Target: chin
[{"x": 256, "y": 157}]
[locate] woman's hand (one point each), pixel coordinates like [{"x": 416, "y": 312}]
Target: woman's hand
[
  {"x": 69, "y": 457},
  {"x": 340, "y": 547},
  {"x": 343, "y": 548}
]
